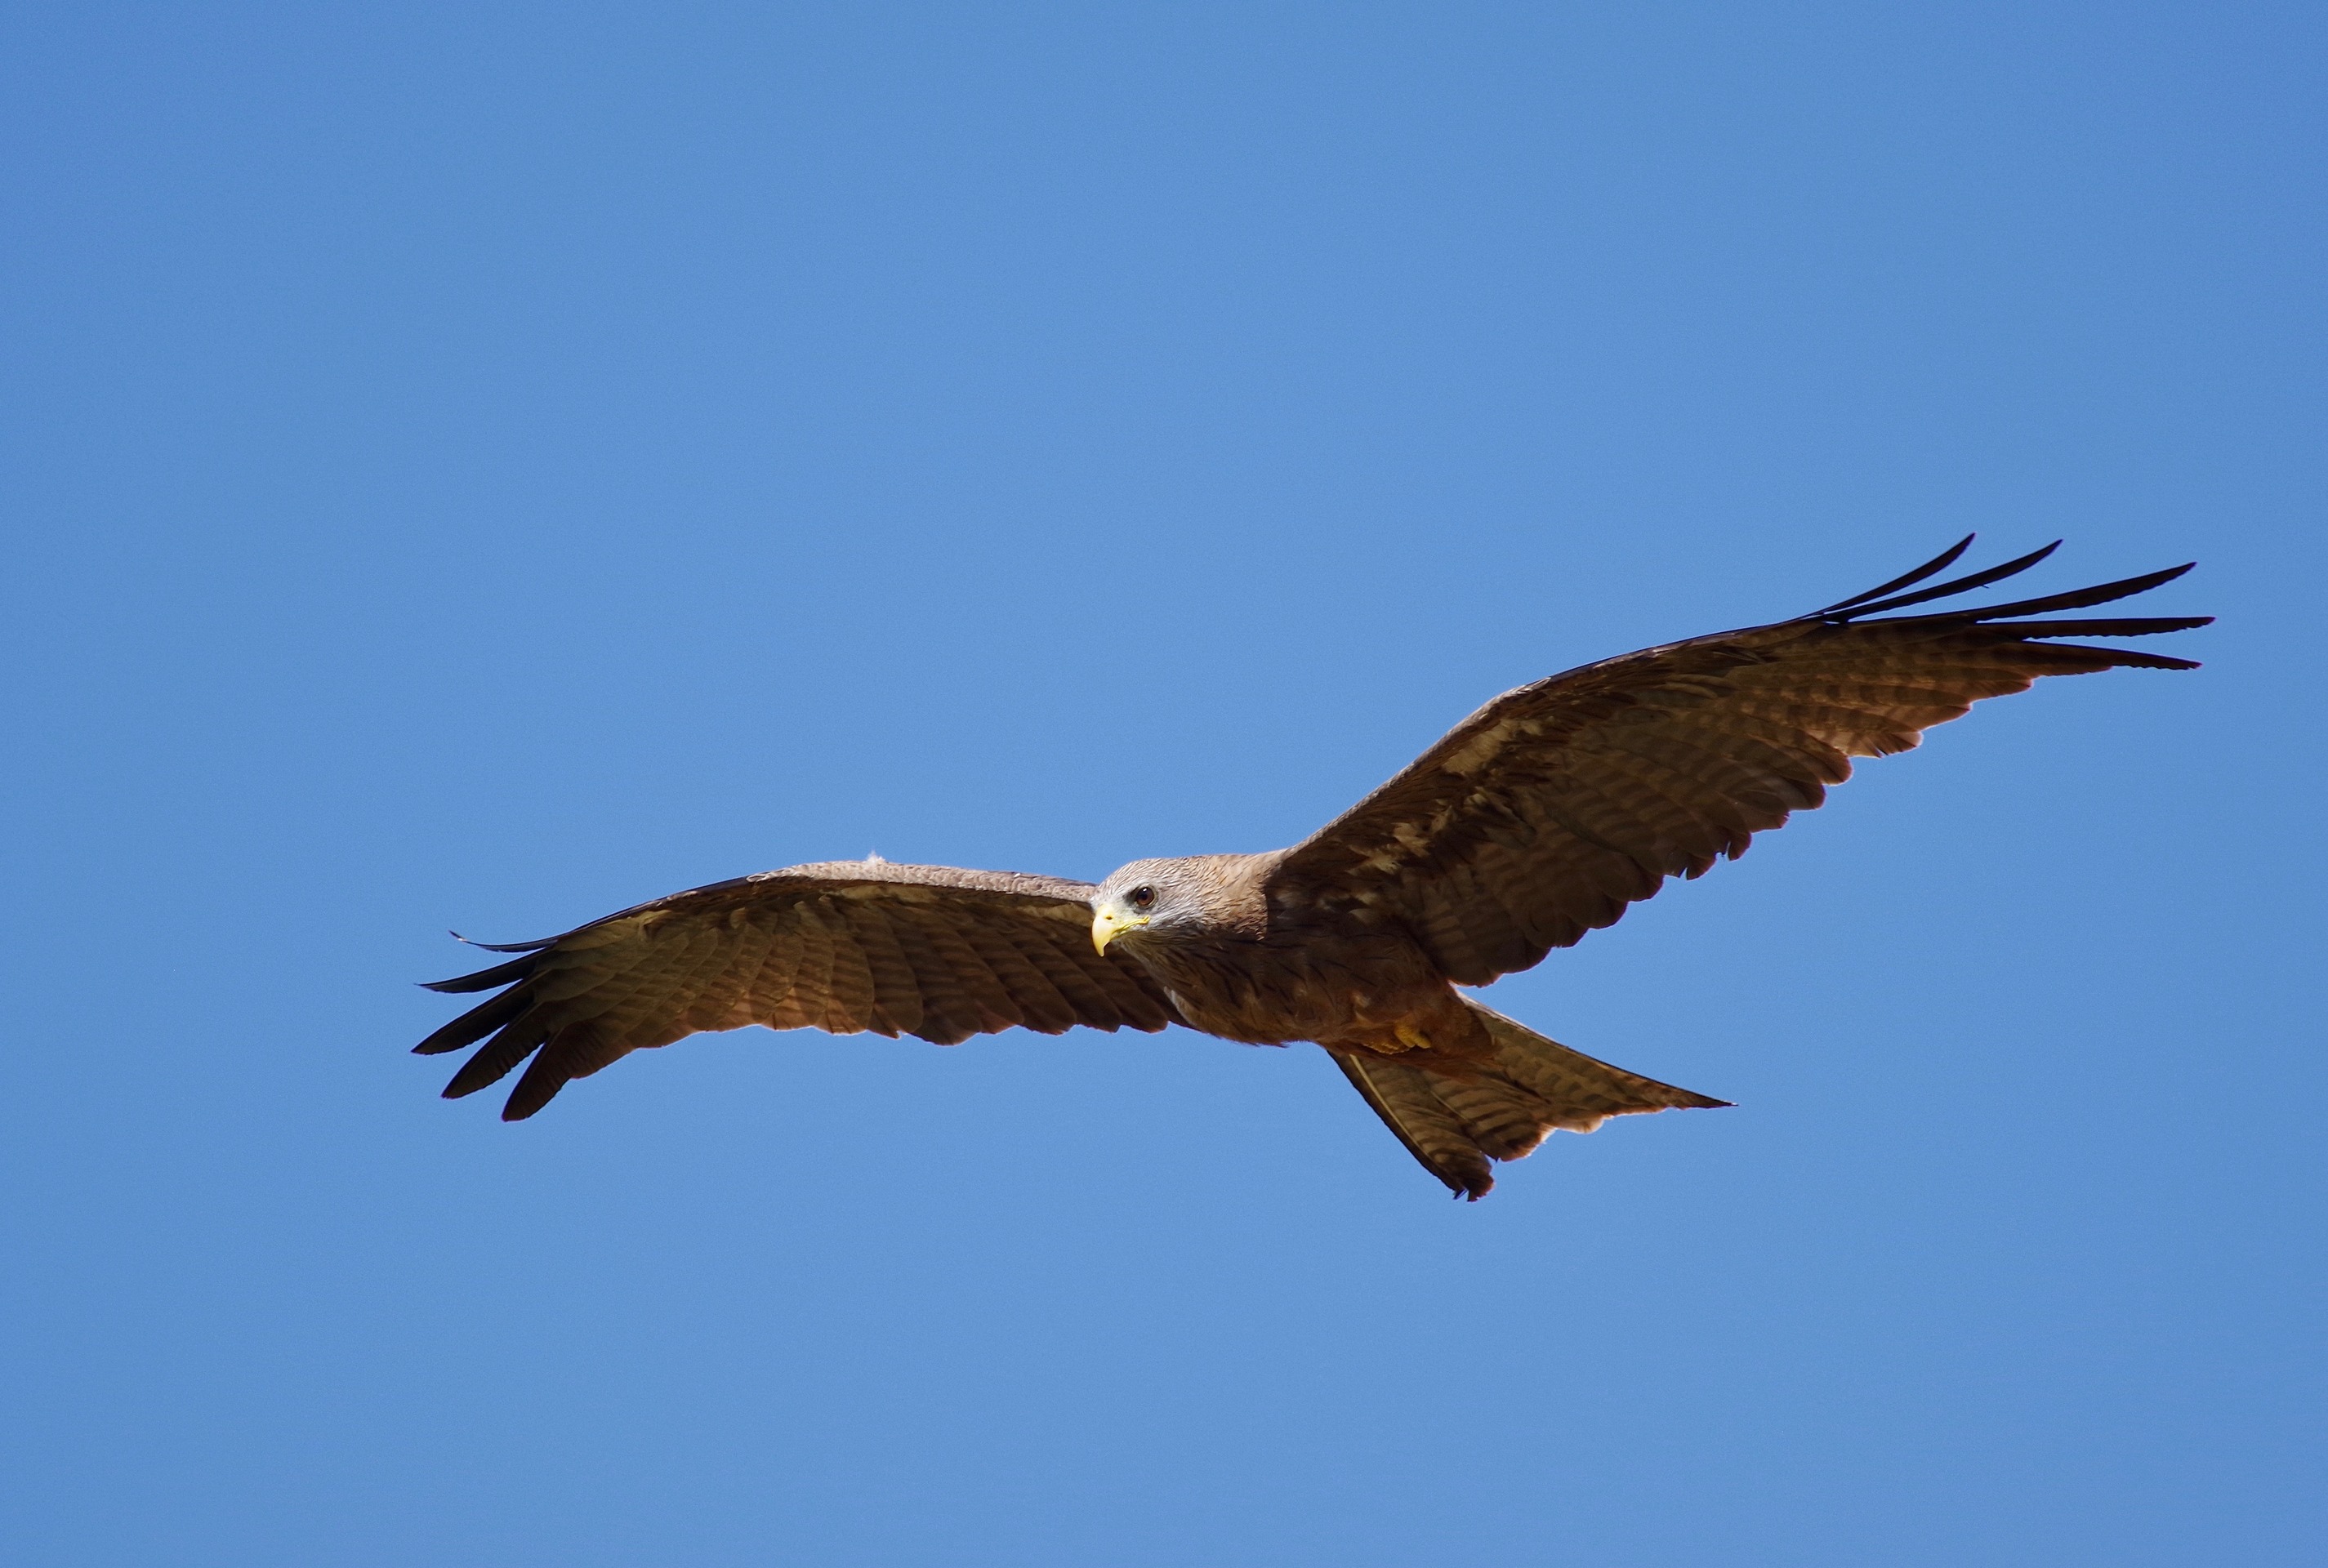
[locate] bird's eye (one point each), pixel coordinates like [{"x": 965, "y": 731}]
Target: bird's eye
[{"x": 1142, "y": 897}]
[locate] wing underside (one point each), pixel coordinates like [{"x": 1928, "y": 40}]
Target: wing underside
[{"x": 930, "y": 950}]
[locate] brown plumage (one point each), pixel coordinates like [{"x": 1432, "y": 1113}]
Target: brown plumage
[{"x": 1537, "y": 819}]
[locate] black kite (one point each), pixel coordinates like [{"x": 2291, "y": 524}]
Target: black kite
[{"x": 1534, "y": 820}]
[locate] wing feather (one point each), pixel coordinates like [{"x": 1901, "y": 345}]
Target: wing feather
[
  {"x": 896, "y": 990},
  {"x": 1040, "y": 1006},
  {"x": 803, "y": 1006},
  {"x": 1057, "y": 960},
  {"x": 849, "y": 989},
  {"x": 964, "y": 1003}
]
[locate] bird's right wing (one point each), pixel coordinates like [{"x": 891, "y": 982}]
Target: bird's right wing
[
  {"x": 844, "y": 946},
  {"x": 1549, "y": 810}
]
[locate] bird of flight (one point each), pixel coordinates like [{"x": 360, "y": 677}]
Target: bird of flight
[{"x": 1534, "y": 820}]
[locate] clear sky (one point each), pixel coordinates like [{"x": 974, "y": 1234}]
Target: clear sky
[{"x": 483, "y": 466}]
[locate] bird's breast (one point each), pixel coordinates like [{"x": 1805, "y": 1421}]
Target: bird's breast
[{"x": 1265, "y": 993}]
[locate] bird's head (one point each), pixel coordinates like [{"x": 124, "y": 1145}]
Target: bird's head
[{"x": 1146, "y": 898}]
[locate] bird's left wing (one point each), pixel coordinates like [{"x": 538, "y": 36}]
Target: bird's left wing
[
  {"x": 844, "y": 946},
  {"x": 1549, "y": 810}
]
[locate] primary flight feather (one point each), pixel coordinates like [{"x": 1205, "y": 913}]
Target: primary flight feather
[{"x": 1536, "y": 820}]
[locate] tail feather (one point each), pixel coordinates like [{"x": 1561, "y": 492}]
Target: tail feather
[{"x": 1454, "y": 1115}]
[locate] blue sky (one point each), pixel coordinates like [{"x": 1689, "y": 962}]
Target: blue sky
[{"x": 481, "y": 466}]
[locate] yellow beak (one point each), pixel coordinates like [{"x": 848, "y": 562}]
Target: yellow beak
[{"x": 1107, "y": 925}]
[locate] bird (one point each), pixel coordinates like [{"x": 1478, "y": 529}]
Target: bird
[{"x": 1541, "y": 817}]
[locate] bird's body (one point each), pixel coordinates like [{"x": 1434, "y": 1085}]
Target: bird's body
[
  {"x": 1246, "y": 969},
  {"x": 1541, "y": 817}
]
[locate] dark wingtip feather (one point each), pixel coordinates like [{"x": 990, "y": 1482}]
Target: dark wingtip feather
[
  {"x": 2080, "y": 598},
  {"x": 494, "y": 1060},
  {"x": 538, "y": 1088},
  {"x": 2128, "y": 627},
  {"x": 504, "y": 946},
  {"x": 475, "y": 1024},
  {"x": 508, "y": 973},
  {"x": 1963, "y": 584},
  {"x": 1939, "y": 562},
  {"x": 2125, "y": 658}
]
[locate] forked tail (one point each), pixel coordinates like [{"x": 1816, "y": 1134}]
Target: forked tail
[{"x": 1457, "y": 1116}]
